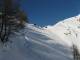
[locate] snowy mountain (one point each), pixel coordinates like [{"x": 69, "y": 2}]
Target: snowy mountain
[
  {"x": 43, "y": 43},
  {"x": 68, "y": 30}
]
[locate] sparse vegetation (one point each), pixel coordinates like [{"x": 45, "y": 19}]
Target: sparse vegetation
[{"x": 76, "y": 54}]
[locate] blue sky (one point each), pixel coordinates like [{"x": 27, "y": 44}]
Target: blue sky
[{"x": 48, "y": 12}]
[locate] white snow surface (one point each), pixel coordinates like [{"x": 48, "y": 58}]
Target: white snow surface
[{"x": 43, "y": 43}]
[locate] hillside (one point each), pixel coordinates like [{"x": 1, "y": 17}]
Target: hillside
[{"x": 43, "y": 43}]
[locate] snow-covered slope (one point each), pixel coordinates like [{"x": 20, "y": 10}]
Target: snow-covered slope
[
  {"x": 68, "y": 30},
  {"x": 36, "y": 43}
]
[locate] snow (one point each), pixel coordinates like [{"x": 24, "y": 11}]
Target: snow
[{"x": 46, "y": 43}]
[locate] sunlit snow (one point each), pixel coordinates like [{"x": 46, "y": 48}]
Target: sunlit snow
[{"x": 46, "y": 43}]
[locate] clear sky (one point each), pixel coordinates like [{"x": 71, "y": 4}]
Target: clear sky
[{"x": 48, "y": 12}]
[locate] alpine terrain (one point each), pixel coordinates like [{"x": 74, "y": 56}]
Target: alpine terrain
[{"x": 57, "y": 42}]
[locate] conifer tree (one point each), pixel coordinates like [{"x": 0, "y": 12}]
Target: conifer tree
[{"x": 10, "y": 13}]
